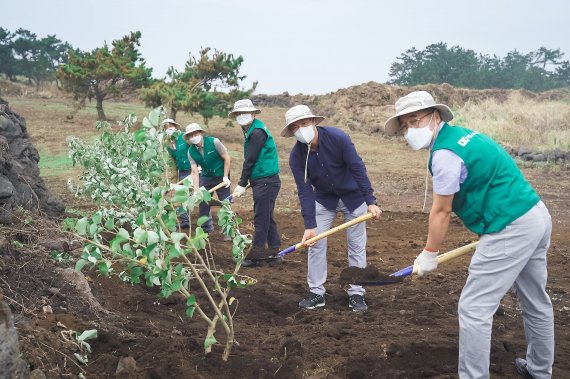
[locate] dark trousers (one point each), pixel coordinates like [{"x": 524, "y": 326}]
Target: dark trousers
[
  {"x": 208, "y": 183},
  {"x": 265, "y": 193}
]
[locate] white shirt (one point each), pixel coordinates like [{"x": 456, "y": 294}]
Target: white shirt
[{"x": 449, "y": 172}]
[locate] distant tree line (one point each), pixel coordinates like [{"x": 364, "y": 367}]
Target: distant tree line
[
  {"x": 538, "y": 70},
  {"x": 23, "y": 54}
]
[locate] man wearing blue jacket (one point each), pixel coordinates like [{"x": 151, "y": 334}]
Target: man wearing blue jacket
[{"x": 331, "y": 178}]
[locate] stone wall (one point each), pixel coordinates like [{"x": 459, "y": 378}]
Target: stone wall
[{"x": 20, "y": 181}]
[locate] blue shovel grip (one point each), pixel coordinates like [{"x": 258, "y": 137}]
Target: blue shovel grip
[
  {"x": 403, "y": 272},
  {"x": 288, "y": 250}
]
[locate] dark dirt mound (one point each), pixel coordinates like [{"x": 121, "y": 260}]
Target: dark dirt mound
[
  {"x": 366, "y": 107},
  {"x": 368, "y": 274}
]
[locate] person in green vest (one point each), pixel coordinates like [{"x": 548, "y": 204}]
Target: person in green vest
[
  {"x": 474, "y": 177},
  {"x": 210, "y": 165},
  {"x": 178, "y": 150},
  {"x": 261, "y": 171}
]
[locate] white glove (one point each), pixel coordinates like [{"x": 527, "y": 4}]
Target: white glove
[
  {"x": 226, "y": 181},
  {"x": 426, "y": 262},
  {"x": 238, "y": 191},
  {"x": 170, "y": 131}
]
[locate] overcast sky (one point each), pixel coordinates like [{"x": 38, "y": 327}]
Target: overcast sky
[{"x": 299, "y": 46}]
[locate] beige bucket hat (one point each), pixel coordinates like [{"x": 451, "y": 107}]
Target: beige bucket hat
[
  {"x": 169, "y": 121},
  {"x": 244, "y": 105},
  {"x": 296, "y": 113},
  {"x": 193, "y": 127},
  {"x": 414, "y": 102}
]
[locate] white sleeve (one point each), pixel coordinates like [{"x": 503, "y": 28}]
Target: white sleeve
[{"x": 447, "y": 168}]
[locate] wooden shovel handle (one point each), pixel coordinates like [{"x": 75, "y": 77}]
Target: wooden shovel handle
[
  {"x": 348, "y": 224},
  {"x": 222, "y": 184}
]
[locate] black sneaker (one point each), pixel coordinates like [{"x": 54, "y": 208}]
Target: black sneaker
[
  {"x": 357, "y": 303},
  {"x": 312, "y": 301},
  {"x": 520, "y": 365}
]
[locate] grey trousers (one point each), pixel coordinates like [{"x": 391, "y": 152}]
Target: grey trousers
[
  {"x": 514, "y": 257},
  {"x": 356, "y": 241}
]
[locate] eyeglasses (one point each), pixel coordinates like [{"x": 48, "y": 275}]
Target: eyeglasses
[{"x": 413, "y": 121}]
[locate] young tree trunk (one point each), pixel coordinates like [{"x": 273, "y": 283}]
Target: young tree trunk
[
  {"x": 173, "y": 113},
  {"x": 100, "y": 112}
]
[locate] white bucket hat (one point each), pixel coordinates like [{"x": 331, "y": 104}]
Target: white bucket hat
[
  {"x": 414, "y": 102},
  {"x": 296, "y": 113},
  {"x": 244, "y": 105},
  {"x": 193, "y": 127},
  {"x": 169, "y": 121}
]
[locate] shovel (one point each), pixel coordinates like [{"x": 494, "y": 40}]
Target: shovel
[
  {"x": 366, "y": 276},
  {"x": 218, "y": 203},
  {"x": 357, "y": 220}
]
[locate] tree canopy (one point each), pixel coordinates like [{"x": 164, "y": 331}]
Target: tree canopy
[
  {"x": 22, "y": 53},
  {"x": 538, "y": 70},
  {"x": 208, "y": 85},
  {"x": 105, "y": 72}
]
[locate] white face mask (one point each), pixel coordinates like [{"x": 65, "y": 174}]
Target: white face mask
[
  {"x": 419, "y": 138},
  {"x": 305, "y": 134},
  {"x": 244, "y": 119},
  {"x": 170, "y": 131},
  {"x": 196, "y": 139}
]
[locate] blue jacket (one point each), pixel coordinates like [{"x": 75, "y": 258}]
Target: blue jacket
[{"x": 335, "y": 171}]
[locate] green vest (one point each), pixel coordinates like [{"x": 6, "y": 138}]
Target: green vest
[
  {"x": 212, "y": 164},
  {"x": 266, "y": 163},
  {"x": 495, "y": 192},
  {"x": 180, "y": 155}
]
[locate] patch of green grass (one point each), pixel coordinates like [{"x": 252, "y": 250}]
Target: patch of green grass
[{"x": 54, "y": 165}]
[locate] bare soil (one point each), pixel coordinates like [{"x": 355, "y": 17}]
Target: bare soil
[{"x": 410, "y": 330}]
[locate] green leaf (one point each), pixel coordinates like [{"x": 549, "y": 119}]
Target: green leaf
[
  {"x": 139, "y": 135},
  {"x": 154, "y": 116},
  {"x": 190, "y": 311},
  {"x": 104, "y": 268},
  {"x": 149, "y": 154},
  {"x": 152, "y": 237},
  {"x": 81, "y": 226},
  {"x": 202, "y": 220},
  {"x": 110, "y": 223},
  {"x": 209, "y": 341},
  {"x": 140, "y": 235},
  {"x": 80, "y": 263},
  {"x": 177, "y": 237},
  {"x": 87, "y": 335},
  {"x": 96, "y": 218},
  {"x": 146, "y": 123},
  {"x": 191, "y": 300}
]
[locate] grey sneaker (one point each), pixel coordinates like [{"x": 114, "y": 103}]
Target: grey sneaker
[
  {"x": 357, "y": 303},
  {"x": 312, "y": 301}
]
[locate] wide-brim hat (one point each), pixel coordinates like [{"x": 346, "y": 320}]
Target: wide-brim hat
[
  {"x": 296, "y": 113},
  {"x": 193, "y": 127},
  {"x": 169, "y": 121},
  {"x": 413, "y": 102},
  {"x": 244, "y": 105}
]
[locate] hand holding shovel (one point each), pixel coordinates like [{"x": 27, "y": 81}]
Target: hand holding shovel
[
  {"x": 369, "y": 276},
  {"x": 310, "y": 241}
]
